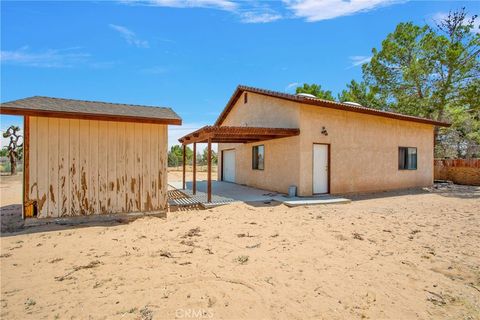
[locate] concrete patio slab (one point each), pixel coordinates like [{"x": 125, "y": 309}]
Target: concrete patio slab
[
  {"x": 227, "y": 192},
  {"x": 315, "y": 201}
]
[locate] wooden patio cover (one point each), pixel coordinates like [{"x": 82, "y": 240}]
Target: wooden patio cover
[{"x": 225, "y": 134}]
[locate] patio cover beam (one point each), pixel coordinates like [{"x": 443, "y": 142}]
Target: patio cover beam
[
  {"x": 184, "y": 156},
  {"x": 194, "y": 162},
  {"x": 209, "y": 161},
  {"x": 216, "y": 134}
]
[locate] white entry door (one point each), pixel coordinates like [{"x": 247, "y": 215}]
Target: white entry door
[
  {"x": 320, "y": 168},
  {"x": 228, "y": 164}
]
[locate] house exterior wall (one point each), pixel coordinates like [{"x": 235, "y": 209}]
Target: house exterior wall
[
  {"x": 363, "y": 148},
  {"x": 281, "y": 164},
  {"x": 263, "y": 111},
  {"x": 83, "y": 167},
  {"x": 281, "y": 155}
]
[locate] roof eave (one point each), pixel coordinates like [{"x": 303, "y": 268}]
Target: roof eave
[
  {"x": 332, "y": 105},
  {"x": 87, "y": 116}
]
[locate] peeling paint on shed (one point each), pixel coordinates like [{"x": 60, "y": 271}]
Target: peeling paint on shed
[{"x": 83, "y": 167}]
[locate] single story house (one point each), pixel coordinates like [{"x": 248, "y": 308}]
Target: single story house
[
  {"x": 88, "y": 157},
  {"x": 273, "y": 140}
]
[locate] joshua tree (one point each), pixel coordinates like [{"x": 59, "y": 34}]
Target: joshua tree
[{"x": 13, "y": 149}]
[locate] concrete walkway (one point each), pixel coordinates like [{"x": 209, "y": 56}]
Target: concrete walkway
[{"x": 227, "y": 192}]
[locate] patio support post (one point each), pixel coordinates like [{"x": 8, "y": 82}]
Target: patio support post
[
  {"x": 209, "y": 161},
  {"x": 194, "y": 163},
  {"x": 184, "y": 161}
]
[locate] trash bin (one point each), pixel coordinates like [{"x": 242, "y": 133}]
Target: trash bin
[{"x": 292, "y": 191}]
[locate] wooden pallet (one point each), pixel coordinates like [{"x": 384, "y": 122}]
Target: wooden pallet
[{"x": 189, "y": 199}]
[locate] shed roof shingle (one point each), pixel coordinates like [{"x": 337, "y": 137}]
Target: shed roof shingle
[{"x": 70, "y": 108}]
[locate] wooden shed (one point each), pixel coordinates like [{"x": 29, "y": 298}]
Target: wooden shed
[{"x": 88, "y": 157}]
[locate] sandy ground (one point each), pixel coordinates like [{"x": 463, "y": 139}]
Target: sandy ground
[
  {"x": 11, "y": 189},
  {"x": 11, "y": 201},
  {"x": 176, "y": 175},
  {"x": 403, "y": 255}
]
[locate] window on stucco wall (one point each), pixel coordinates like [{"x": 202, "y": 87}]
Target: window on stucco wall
[
  {"x": 258, "y": 157},
  {"x": 407, "y": 158}
]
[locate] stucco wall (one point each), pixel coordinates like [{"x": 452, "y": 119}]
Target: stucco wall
[
  {"x": 364, "y": 148},
  {"x": 281, "y": 155},
  {"x": 259, "y": 111},
  {"x": 281, "y": 164},
  {"x": 81, "y": 167}
]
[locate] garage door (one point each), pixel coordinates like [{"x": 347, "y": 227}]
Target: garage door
[{"x": 228, "y": 165}]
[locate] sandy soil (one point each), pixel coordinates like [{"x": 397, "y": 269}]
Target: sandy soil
[
  {"x": 176, "y": 175},
  {"x": 404, "y": 255},
  {"x": 11, "y": 189},
  {"x": 11, "y": 202}
]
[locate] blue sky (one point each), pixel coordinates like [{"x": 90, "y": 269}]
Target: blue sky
[{"x": 191, "y": 54}]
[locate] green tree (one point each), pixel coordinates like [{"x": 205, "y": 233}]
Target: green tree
[
  {"x": 204, "y": 157},
  {"x": 359, "y": 92},
  {"x": 432, "y": 72},
  {"x": 200, "y": 159},
  {"x": 463, "y": 139},
  {"x": 175, "y": 156},
  {"x": 173, "y": 160},
  {"x": 316, "y": 90}
]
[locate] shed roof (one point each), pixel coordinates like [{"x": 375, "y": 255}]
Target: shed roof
[
  {"x": 321, "y": 103},
  {"x": 95, "y": 110}
]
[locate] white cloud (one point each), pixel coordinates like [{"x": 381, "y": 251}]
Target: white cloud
[
  {"x": 215, "y": 4},
  {"x": 247, "y": 11},
  {"x": 257, "y": 11},
  {"x": 317, "y": 10},
  {"x": 129, "y": 36},
  {"x": 439, "y": 16},
  {"x": 359, "y": 60},
  {"x": 259, "y": 17},
  {"x": 291, "y": 85},
  {"x": 49, "y": 58}
]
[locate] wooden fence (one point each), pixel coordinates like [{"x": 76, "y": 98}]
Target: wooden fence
[{"x": 460, "y": 171}]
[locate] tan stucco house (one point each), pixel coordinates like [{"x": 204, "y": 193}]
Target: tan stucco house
[
  {"x": 91, "y": 157},
  {"x": 327, "y": 147}
]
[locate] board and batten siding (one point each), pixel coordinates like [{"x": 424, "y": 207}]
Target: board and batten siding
[{"x": 83, "y": 167}]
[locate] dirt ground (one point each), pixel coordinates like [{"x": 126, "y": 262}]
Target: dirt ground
[
  {"x": 397, "y": 255},
  {"x": 176, "y": 175},
  {"x": 11, "y": 201},
  {"x": 11, "y": 189}
]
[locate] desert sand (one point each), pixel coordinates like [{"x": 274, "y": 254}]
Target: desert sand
[
  {"x": 396, "y": 255},
  {"x": 10, "y": 189}
]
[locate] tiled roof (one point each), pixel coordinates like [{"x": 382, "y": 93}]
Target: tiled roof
[
  {"x": 69, "y": 108},
  {"x": 224, "y": 134},
  {"x": 321, "y": 103}
]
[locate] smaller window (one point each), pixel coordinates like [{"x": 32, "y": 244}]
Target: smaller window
[
  {"x": 245, "y": 98},
  {"x": 258, "y": 157},
  {"x": 407, "y": 158}
]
